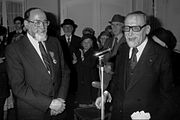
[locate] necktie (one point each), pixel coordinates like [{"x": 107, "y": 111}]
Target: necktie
[
  {"x": 113, "y": 47},
  {"x": 68, "y": 41},
  {"x": 45, "y": 57},
  {"x": 114, "y": 43},
  {"x": 132, "y": 64},
  {"x": 133, "y": 60}
]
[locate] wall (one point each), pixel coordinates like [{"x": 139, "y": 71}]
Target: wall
[
  {"x": 97, "y": 13},
  {"x": 93, "y": 13},
  {"x": 48, "y": 5},
  {"x": 173, "y": 19}
]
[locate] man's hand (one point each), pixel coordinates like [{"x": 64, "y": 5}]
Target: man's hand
[
  {"x": 57, "y": 106},
  {"x": 2, "y": 59},
  {"x": 107, "y": 98},
  {"x": 108, "y": 68},
  {"x": 74, "y": 59}
]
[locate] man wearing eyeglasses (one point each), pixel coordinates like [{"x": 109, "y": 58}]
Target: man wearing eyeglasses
[
  {"x": 143, "y": 74},
  {"x": 37, "y": 72}
]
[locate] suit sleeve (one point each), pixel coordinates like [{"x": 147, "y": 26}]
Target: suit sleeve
[
  {"x": 113, "y": 84},
  {"x": 22, "y": 90},
  {"x": 166, "y": 78},
  {"x": 65, "y": 75}
]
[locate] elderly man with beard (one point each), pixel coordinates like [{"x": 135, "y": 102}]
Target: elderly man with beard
[
  {"x": 37, "y": 72},
  {"x": 143, "y": 74}
]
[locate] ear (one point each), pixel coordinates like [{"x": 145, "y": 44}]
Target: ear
[{"x": 148, "y": 29}]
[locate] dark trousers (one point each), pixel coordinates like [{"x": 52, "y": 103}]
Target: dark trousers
[{"x": 2, "y": 101}]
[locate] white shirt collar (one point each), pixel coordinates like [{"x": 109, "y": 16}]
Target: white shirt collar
[
  {"x": 35, "y": 45},
  {"x": 32, "y": 40},
  {"x": 140, "y": 49},
  {"x": 68, "y": 37}
]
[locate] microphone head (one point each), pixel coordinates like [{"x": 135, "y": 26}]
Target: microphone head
[{"x": 97, "y": 54}]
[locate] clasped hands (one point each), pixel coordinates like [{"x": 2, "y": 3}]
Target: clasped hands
[{"x": 57, "y": 106}]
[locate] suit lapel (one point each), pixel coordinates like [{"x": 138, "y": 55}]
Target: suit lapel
[
  {"x": 48, "y": 46},
  {"x": 126, "y": 57},
  {"x": 32, "y": 56},
  {"x": 147, "y": 57}
]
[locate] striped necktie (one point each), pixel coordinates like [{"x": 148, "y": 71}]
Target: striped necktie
[
  {"x": 114, "y": 47},
  {"x": 45, "y": 57},
  {"x": 133, "y": 60}
]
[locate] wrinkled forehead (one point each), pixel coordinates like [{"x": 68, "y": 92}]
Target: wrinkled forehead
[
  {"x": 37, "y": 14},
  {"x": 135, "y": 20}
]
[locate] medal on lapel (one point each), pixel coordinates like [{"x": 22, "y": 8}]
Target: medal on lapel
[{"x": 53, "y": 58}]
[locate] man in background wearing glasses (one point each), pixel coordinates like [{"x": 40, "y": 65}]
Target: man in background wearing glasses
[
  {"x": 37, "y": 72},
  {"x": 143, "y": 74}
]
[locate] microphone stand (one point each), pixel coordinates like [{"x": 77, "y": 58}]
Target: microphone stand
[{"x": 101, "y": 71}]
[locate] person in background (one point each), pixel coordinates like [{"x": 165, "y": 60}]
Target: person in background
[
  {"x": 70, "y": 46},
  {"x": 117, "y": 23},
  {"x": 109, "y": 29},
  {"x": 90, "y": 31},
  {"x": 4, "y": 86},
  {"x": 143, "y": 75},
  {"x": 38, "y": 74},
  {"x": 18, "y": 32},
  {"x": 102, "y": 38},
  {"x": 87, "y": 72},
  {"x": 164, "y": 37}
]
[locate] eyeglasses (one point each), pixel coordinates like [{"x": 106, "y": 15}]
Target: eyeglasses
[
  {"x": 134, "y": 28},
  {"x": 39, "y": 22}
]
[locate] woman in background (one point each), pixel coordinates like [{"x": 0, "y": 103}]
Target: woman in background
[{"x": 87, "y": 72}]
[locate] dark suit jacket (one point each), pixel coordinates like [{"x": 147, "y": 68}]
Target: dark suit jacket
[
  {"x": 72, "y": 48},
  {"x": 149, "y": 87},
  {"x": 13, "y": 34},
  {"x": 4, "y": 87},
  {"x": 68, "y": 56},
  {"x": 30, "y": 81},
  {"x": 87, "y": 72}
]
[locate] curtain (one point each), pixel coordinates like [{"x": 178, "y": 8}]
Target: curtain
[
  {"x": 143, "y": 5},
  {"x": 14, "y": 9},
  {"x": 0, "y": 12}
]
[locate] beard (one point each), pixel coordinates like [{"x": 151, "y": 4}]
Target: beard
[{"x": 40, "y": 36}]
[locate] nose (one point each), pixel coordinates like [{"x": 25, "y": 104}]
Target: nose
[{"x": 130, "y": 32}]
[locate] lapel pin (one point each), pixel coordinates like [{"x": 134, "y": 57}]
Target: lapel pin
[{"x": 53, "y": 58}]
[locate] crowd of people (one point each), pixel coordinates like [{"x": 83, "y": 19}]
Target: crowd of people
[{"x": 47, "y": 77}]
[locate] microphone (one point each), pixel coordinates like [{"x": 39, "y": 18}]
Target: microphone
[{"x": 97, "y": 54}]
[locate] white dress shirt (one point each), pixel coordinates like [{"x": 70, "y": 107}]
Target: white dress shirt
[
  {"x": 67, "y": 38},
  {"x": 140, "y": 49},
  {"x": 36, "y": 45}
]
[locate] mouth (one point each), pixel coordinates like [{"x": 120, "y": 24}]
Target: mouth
[{"x": 132, "y": 39}]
